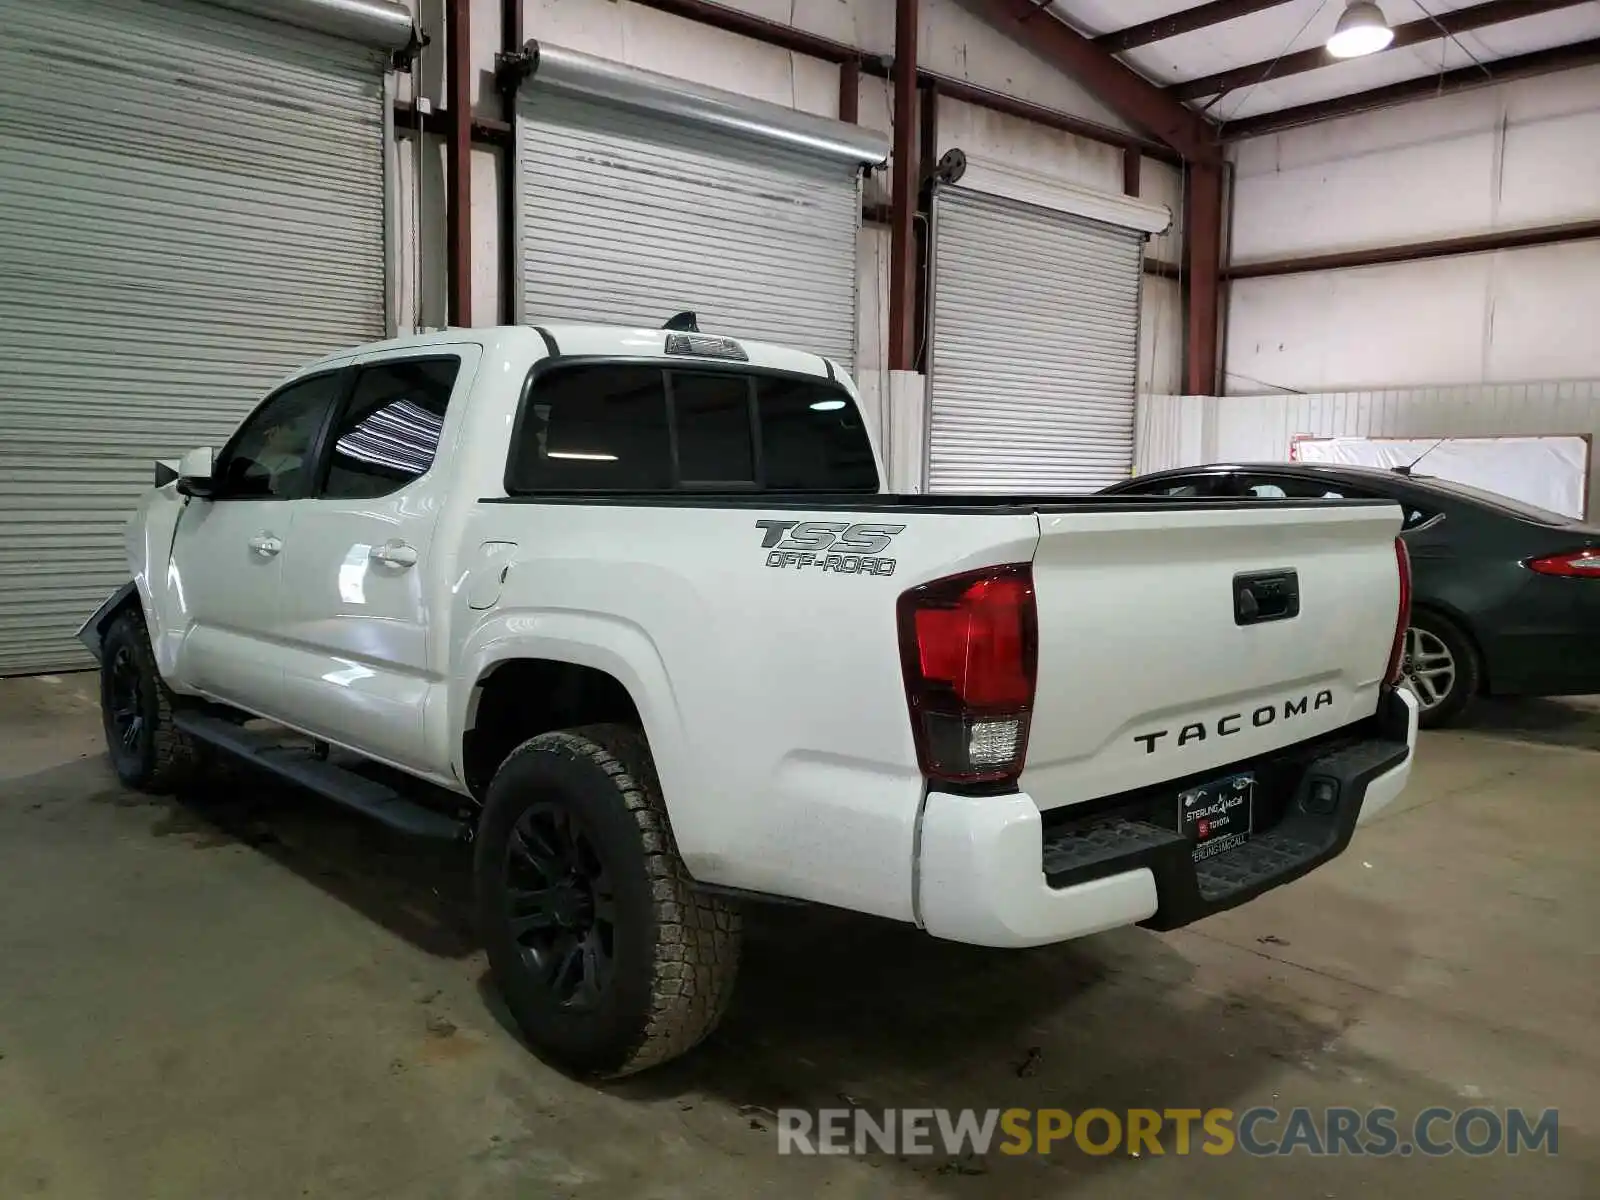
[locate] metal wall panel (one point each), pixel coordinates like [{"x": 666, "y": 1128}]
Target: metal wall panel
[
  {"x": 626, "y": 217},
  {"x": 191, "y": 205},
  {"x": 1035, "y": 348}
]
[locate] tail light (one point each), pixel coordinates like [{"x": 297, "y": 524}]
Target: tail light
[
  {"x": 1397, "y": 651},
  {"x": 1578, "y": 564},
  {"x": 969, "y": 647}
]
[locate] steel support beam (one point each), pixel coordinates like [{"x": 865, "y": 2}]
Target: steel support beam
[
  {"x": 979, "y": 97},
  {"x": 458, "y": 164},
  {"x": 511, "y": 40},
  {"x": 1477, "y": 243},
  {"x": 1202, "y": 16},
  {"x": 1202, "y": 257},
  {"x": 1412, "y": 33},
  {"x": 927, "y": 158},
  {"x": 1132, "y": 162},
  {"x": 904, "y": 185},
  {"x": 1500, "y": 70},
  {"x": 850, "y": 92},
  {"x": 1122, "y": 89}
]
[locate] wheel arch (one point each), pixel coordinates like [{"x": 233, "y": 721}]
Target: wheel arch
[
  {"x": 93, "y": 631},
  {"x": 514, "y": 699}
]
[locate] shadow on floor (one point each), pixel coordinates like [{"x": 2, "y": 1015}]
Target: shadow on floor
[
  {"x": 1555, "y": 722},
  {"x": 418, "y": 890}
]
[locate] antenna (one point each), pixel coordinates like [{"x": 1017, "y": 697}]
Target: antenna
[
  {"x": 1406, "y": 470},
  {"x": 683, "y": 322}
]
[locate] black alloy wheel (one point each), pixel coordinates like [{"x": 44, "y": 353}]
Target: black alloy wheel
[{"x": 560, "y": 905}]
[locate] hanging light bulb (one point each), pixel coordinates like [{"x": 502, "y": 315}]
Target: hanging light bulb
[{"x": 1361, "y": 30}]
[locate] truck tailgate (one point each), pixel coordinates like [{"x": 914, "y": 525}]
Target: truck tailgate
[{"x": 1162, "y": 651}]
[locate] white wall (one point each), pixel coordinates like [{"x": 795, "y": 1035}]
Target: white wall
[{"x": 1517, "y": 155}]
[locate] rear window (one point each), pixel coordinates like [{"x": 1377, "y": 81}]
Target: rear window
[
  {"x": 637, "y": 428},
  {"x": 1520, "y": 508}
]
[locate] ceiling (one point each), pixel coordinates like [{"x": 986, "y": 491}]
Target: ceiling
[{"x": 1265, "y": 37}]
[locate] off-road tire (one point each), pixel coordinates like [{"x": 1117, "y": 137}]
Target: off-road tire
[
  {"x": 161, "y": 757},
  {"x": 1469, "y": 671},
  {"x": 675, "y": 948}
]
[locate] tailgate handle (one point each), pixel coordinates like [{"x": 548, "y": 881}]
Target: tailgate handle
[{"x": 1265, "y": 596}]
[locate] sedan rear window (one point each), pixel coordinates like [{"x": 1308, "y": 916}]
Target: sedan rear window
[{"x": 1520, "y": 508}]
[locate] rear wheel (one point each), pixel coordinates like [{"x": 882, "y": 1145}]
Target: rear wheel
[
  {"x": 147, "y": 750},
  {"x": 1441, "y": 668},
  {"x": 609, "y": 958}
]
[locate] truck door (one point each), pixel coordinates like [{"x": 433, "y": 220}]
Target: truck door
[
  {"x": 227, "y": 554},
  {"x": 358, "y": 573}
]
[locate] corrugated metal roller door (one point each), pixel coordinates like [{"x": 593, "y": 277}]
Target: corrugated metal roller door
[
  {"x": 629, "y": 217},
  {"x": 191, "y": 204},
  {"x": 1035, "y": 350}
]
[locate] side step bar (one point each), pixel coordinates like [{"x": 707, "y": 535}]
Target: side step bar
[{"x": 300, "y": 765}]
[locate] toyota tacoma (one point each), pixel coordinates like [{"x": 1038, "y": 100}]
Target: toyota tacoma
[{"x": 630, "y": 611}]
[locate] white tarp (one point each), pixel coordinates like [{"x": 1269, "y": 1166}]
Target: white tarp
[{"x": 1550, "y": 472}]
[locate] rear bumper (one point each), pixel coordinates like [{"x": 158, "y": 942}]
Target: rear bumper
[{"x": 993, "y": 872}]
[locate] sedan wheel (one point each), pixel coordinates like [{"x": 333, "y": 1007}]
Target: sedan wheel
[
  {"x": 1440, "y": 668},
  {"x": 1429, "y": 668}
]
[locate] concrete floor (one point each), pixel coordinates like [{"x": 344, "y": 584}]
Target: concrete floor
[{"x": 251, "y": 995}]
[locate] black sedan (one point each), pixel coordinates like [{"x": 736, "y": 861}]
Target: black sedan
[{"x": 1507, "y": 596}]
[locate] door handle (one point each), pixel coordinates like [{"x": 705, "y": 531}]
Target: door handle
[
  {"x": 396, "y": 554},
  {"x": 266, "y": 545}
]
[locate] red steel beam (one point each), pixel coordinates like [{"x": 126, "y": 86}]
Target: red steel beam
[
  {"x": 1202, "y": 16},
  {"x": 458, "y": 164},
  {"x": 1412, "y": 33},
  {"x": 927, "y": 159},
  {"x": 902, "y": 348},
  {"x": 1476, "y": 243},
  {"x": 1121, "y": 88},
  {"x": 1500, "y": 70},
  {"x": 850, "y": 92},
  {"x": 1202, "y": 254},
  {"x": 1132, "y": 161}
]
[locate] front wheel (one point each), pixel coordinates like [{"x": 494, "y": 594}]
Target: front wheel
[
  {"x": 148, "y": 752},
  {"x": 608, "y": 957},
  {"x": 1441, "y": 668}
]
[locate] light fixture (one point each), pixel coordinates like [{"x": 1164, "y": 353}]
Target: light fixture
[
  {"x": 827, "y": 406},
  {"x": 580, "y": 456},
  {"x": 1361, "y": 30}
]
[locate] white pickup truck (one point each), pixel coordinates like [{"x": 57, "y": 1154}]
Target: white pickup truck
[{"x": 628, "y": 610}]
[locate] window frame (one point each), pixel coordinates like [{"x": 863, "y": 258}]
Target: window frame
[
  {"x": 341, "y": 408},
  {"x": 314, "y": 452},
  {"x": 668, "y": 366}
]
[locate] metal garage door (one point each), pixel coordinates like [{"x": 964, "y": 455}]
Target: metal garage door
[
  {"x": 641, "y": 196},
  {"x": 191, "y": 203},
  {"x": 1035, "y": 345}
]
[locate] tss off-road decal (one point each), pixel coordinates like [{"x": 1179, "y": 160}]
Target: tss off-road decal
[{"x": 836, "y": 546}]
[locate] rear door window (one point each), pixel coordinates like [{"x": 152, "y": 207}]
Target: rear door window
[
  {"x": 1298, "y": 487},
  {"x": 1191, "y": 487},
  {"x": 594, "y": 429},
  {"x": 638, "y": 428}
]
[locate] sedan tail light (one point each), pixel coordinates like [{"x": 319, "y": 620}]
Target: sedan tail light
[
  {"x": 969, "y": 648},
  {"x": 1576, "y": 564}
]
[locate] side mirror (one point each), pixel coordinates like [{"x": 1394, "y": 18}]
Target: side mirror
[{"x": 194, "y": 473}]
